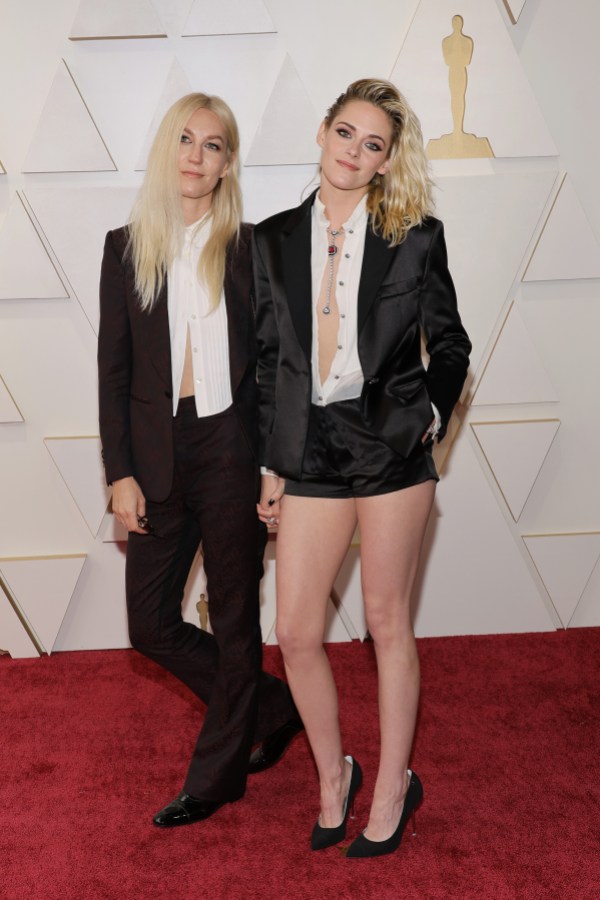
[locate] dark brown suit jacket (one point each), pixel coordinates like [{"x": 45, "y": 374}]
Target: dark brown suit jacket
[
  {"x": 404, "y": 291},
  {"x": 134, "y": 367}
]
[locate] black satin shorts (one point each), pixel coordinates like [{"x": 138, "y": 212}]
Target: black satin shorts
[{"x": 343, "y": 458}]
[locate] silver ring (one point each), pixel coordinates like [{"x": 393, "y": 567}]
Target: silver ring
[{"x": 271, "y": 521}]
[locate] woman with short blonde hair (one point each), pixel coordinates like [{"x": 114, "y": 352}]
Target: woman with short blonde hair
[{"x": 346, "y": 285}]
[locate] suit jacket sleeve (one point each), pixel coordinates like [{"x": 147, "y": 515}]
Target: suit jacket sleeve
[
  {"x": 114, "y": 365},
  {"x": 447, "y": 342},
  {"x": 268, "y": 349}
]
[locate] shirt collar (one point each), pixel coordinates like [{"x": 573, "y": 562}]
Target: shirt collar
[
  {"x": 192, "y": 234},
  {"x": 356, "y": 220}
]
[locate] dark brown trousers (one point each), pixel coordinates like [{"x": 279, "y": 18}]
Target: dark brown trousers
[{"x": 212, "y": 501}]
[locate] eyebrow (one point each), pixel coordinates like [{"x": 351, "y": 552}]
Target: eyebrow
[{"x": 353, "y": 128}]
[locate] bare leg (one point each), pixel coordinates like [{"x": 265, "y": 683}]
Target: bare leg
[
  {"x": 314, "y": 535},
  {"x": 392, "y": 527}
]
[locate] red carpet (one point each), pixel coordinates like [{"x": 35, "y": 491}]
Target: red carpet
[{"x": 93, "y": 743}]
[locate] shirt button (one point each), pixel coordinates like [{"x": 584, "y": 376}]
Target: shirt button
[
  {"x": 347, "y": 255},
  {"x": 351, "y": 231},
  {"x": 341, "y": 283},
  {"x": 340, "y": 347},
  {"x": 195, "y": 349},
  {"x": 193, "y": 317},
  {"x": 342, "y": 315},
  {"x": 336, "y": 377}
]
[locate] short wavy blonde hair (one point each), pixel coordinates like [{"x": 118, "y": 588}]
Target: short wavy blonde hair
[
  {"x": 156, "y": 226},
  {"x": 402, "y": 197}
]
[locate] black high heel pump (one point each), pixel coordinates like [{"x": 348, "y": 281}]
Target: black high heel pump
[
  {"x": 327, "y": 837},
  {"x": 362, "y": 847}
]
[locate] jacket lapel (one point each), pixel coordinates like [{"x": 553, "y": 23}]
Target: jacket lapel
[
  {"x": 295, "y": 253},
  {"x": 156, "y": 337},
  {"x": 376, "y": 261}
]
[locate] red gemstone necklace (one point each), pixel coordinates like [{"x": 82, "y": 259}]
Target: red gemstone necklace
[{"x": 331, "y": 252}]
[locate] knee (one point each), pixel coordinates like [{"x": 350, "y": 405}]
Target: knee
[
  {"x": 293, "y": 641},
  {"x": 386, "y": 625},
  {"x": 149, "y": 635},
  {"x": 140, "y": 637}
]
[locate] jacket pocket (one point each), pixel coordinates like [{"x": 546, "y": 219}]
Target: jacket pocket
[{"x": 396, "y": 288}]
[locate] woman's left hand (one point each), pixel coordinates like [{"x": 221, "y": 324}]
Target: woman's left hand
[{"x": 272, "y": 490}]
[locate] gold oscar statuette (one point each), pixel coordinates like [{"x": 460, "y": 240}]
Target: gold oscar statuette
[{"x": 458, "y": 52}]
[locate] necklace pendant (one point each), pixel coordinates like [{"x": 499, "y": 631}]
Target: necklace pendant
[
  {"x": 332, "y": 250},
  {"x": 326, "y": 310}
]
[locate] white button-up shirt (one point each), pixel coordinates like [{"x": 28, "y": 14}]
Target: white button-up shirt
[
  {"x": 188, "y": 304},
  {"x": 345, "y": 379}
]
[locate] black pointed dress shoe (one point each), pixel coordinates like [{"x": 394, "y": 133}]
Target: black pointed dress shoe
[
  {"x": 274, "y": 746},
  {"x": 184, "y": 810}
]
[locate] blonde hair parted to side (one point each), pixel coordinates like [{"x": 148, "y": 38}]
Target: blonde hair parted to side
[
  {"x": 157, "y": 226},
  {"x": 400, "y": 199}
]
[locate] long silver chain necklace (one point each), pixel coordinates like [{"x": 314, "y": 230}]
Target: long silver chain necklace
[{"x": 331, "y": 252}]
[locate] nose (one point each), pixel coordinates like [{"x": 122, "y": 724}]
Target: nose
[
  {"x": 196, "y": 153},
  {"x": 354, "y": 148}
]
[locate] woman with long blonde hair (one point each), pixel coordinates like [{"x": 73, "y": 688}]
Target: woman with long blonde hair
[
  {"x": 178, "y": 409},
  {"x": 346, "y": 285}
]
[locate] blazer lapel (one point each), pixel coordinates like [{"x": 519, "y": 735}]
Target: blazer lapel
[
  {"x": 295, "y": 253},
  {"x": 156, "y": 337},
  {"x": 376, "y": 261}
]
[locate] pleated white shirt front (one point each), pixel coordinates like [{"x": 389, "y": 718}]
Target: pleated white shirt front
[{"x": 189, "y": 306}]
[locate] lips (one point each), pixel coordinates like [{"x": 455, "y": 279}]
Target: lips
[
  {"x": 347, "y": 165},
  {"x": 192, "y": 174}
]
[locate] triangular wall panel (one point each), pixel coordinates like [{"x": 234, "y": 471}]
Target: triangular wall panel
[
  {"x": 79, "y": 461},
  {"x": 514, "y": 9},
  {"x": 66, "y": 138},
  {"x": 322, "y": 40},
  {"x": 9, "y": 411},
  {"x": 567, "y": 247},
  {"x": 515, "y": 452},
  {"x": 13, "y": 634},
  {"x": 228, "y": 17},
  {"x": 287, "y": 133},
  {"x": 42, "y": 587},
  {"x": 96, "y": 618},
  {"x": 474, "y": 577},
  {"x": 176, "y": 86},
  {"x": 514, "y": 372},
  {"x": 97, "y": 19},
  {"x": 75, "y": 221},
  {"x": 565, "y": 563},
  {"x": 26, "y": 270},
  {"x": 499, "y": 102},
  {"x": 478, "y": 212}
]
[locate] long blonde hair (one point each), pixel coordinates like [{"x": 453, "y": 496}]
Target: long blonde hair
[
  {"x": 156, "y": 227},
  {"x": 402, "y": 197}
]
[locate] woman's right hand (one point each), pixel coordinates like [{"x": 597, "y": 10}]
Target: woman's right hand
[
  {"x": 272, "y": 490},
  {"x": 129, "y": 504}
]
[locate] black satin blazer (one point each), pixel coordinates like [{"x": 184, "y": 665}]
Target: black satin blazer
[
  {"x": 403, "y": 291},
  {"x": 134, "y": 367}
]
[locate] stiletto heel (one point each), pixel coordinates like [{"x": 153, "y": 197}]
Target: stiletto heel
[
  {"x": 361, "y": 847},
  {"x": 321, "y": 838}
]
